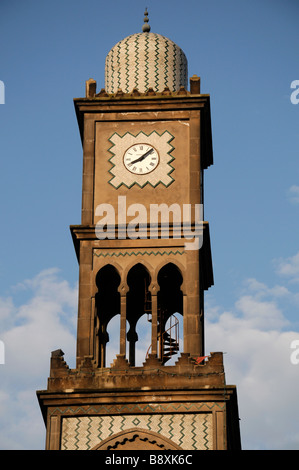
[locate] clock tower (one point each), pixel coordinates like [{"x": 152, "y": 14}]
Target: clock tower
[{"x": 143, "y": 379}]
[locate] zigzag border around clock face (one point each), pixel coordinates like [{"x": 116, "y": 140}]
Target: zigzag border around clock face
[{"x": 160, "y": 175}]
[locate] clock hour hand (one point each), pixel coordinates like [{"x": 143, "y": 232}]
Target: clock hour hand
[{"x": 142, "y": 157}]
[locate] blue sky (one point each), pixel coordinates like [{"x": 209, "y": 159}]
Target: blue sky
[{"x": 246, "y": 53}]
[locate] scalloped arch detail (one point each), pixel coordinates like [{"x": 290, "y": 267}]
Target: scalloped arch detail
[{"x": 136, "y": 439}]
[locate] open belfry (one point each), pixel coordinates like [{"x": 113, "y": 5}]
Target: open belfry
[{"x": 143, "y": 249}]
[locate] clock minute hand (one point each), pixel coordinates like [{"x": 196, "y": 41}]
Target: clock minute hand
[
  {"x": 146, "y": 154},
  {"x": 142, "y": 157}
]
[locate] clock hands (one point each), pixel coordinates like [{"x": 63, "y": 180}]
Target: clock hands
[{"x": 142, "y": 157}]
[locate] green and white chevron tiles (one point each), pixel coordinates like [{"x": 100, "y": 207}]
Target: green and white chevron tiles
[
  {"x": 189, "y": 431},
  {"x": 143, "y": 61}
]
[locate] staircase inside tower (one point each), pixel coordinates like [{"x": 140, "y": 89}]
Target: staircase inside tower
[{"x": 168, "y": 340}]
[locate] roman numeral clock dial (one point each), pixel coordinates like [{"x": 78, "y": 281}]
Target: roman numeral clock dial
[{"x": 141, "y": 159}]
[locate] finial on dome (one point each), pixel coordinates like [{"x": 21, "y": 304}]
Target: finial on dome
[{"x": 146, "y": 27}]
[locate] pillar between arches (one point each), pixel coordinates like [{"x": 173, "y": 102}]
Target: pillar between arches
[
  {"x": 154, "y": 289},
  {"x": 123, "y": 289}
]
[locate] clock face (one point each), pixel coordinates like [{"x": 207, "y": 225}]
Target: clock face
[{"x": 141, "y": 159}]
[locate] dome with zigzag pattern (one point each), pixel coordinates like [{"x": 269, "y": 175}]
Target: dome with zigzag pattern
[{"x": 145, "y": 60}]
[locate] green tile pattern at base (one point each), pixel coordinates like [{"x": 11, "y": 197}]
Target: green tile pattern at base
[{"x": 190, "y": 431}]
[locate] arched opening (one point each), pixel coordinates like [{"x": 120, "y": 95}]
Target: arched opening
[
  {"x": 170, "y": 305},
  {"x": 113, "y": 333},
  {"x": 138, "y": 304},
  {"x": 107, "y": 302},
  {"x": 144, "y": 335}
]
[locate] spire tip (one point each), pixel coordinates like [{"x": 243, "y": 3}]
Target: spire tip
[{"x": 146, "y": 27}]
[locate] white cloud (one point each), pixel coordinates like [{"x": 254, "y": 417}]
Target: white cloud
[
  {"x": 261, "y": 290},
  {"x": 260, "y": 314},
  {"x": 293, "y": 194},
  {"x": 288, "y": 267},
  {"x": 6, "y": 308},
  {"x": 45, "y": 322},
  {"x": 254, "y": 334},
  {"x": 256, "y": 337}
]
